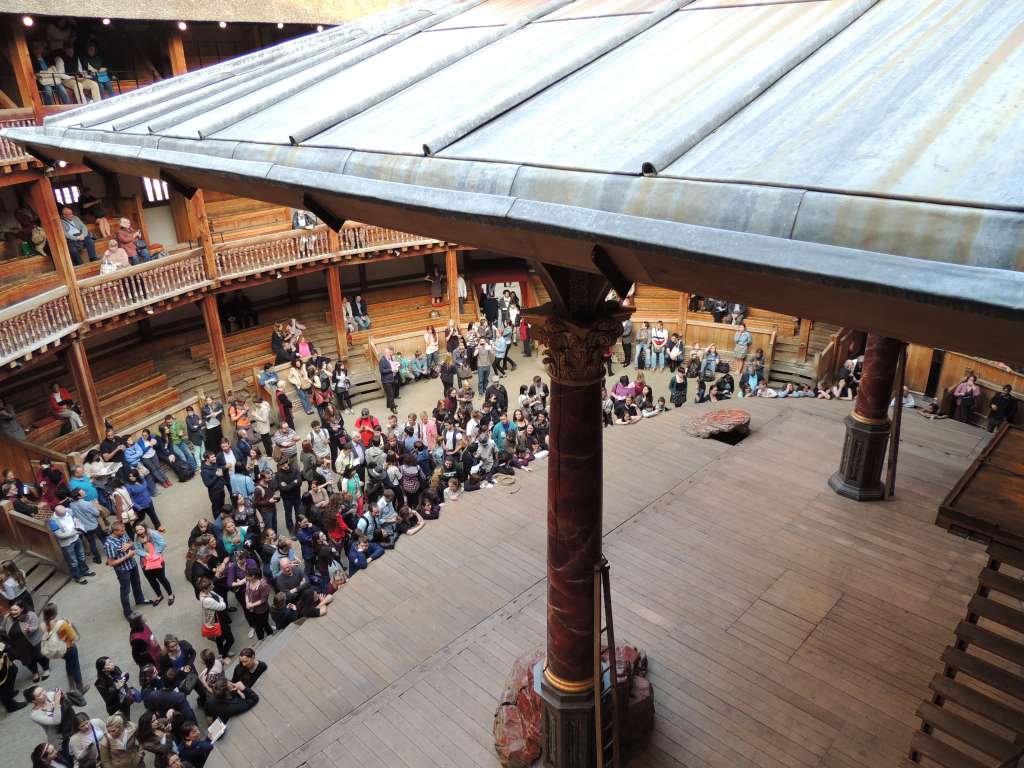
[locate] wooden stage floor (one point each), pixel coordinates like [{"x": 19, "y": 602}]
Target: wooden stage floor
[{"x": 785, "y": 626}]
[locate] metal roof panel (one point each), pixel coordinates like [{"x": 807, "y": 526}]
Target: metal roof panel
[{"x": 918, "y": 99}]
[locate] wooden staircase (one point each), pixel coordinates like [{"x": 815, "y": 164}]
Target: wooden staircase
[
  {"x": 787, "y": 363},
  {"x": 43, "y": 579},
  {"x": 975, "y": 718}
]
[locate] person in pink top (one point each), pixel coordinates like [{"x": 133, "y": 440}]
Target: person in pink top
[
  {"x": 966, "y": 392},
  {"x": 428, "y": 430}
]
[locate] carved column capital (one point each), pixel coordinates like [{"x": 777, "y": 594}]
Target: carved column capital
[{"x": 575, "y": 349}]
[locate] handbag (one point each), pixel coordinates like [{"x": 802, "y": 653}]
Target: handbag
[
  {"x": 722, "y": 366},
  {"x": 212, "y": 632},
  {"x": 152, "y": 560},
  {"x": 465, "y": 372}
]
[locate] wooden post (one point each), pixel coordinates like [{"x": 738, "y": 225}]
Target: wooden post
[
  {"x": 85, "y": 386},
  {"x": 214, "y": 332},
  {"x": 176, "y": 53},
  {"x": 333, "y": 241},
  {"x": 197, "y": 205},
  {"x": 451, "y": 266},
  {"x": 684, "y": 315},
  {"x": 896, "y": 423},
  {"x": 41, "y": 193},
  {"x": 21, "y": 62},
  {"x": 805, "y": 338},
  {"x": 337, "y": 309}
]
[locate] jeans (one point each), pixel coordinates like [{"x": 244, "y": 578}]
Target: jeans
[
  {"x": 431, "y": 361},
  {"x": 362, "y": 321},
  {"x": 131, "y": 586},
  {"x": 196, "y": 449},
  {"x": 269, "y": 518},
  {"x": 73, "y": 668},
  {"x": 483, "y": 373},
  {"x": 292, "y": 506},
  {"x": 75, "y": 246},
  {"x": 95, "y": 539},
  {"x": 155, "y": 471},
  {"x": 107, "y": 89},
  {"x": 642, "y": 351},
  {"x": 62, "y": 93},
  {"x": 185, "y": 456},
  {"x": 657, "y": 359},
  {"x": 462, "y": 305},
  {"x": 304, "y": 399},
  {"x": 75, "y": 555}
]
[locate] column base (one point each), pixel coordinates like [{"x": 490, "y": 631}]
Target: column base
[
  {"x": 860, "y": 470},
  {"x": 567, "y": 725}
]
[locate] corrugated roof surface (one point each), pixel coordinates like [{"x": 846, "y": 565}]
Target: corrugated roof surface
[
  {"x": 661, "y": 91},
  {"x": 890, "y": 126},
  {"x": 918, "y": 99}
]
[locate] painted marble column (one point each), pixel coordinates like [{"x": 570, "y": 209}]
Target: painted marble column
[
  {"x": 867, "y": 428},
  {"x": 574, "y": 360}
]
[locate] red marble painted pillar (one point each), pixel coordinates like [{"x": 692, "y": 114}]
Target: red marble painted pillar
[
  {"x": 867, "y": 428},
  {"x": 574, "y": 360}
]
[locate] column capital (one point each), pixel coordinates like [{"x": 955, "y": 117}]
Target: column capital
[{"x": 575, "y": 348}]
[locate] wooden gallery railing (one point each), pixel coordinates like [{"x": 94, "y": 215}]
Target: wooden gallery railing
[
  {"x": 45, "y": 319},
  {"x": 36, "y": 323},
  {"x": 143, "y": 284},
  {"x": 9, "y": 151}
]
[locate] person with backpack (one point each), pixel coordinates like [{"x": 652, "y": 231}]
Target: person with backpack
[{"x": 60, "y": 640}]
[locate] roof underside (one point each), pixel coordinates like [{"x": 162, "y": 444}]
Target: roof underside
[{"x": 805, "y": 155}]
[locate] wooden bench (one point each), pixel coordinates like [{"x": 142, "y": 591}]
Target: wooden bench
[
  {"x": 235, "y": 218},
  {"x": 130, "y": 393},
  {"x": 38, "y": 414},
  {"x": 151, "y": 407}
]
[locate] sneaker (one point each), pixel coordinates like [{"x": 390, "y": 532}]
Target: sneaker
[
  {"x": 17, "y": 705},
  {"x": 170, "y": 599},
  {"x": 81, "y": 581},
  {"x": 90, "y": 573},
  {"x": 252, "y": 633},
  {"x": 84, "y": 689}
]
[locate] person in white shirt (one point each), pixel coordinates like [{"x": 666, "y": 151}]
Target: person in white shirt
[
  {"x": 463, "y": 294},
  {"x": 659, "y": 340}
]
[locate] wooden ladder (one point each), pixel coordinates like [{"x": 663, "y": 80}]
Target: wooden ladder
[
  {"x": 606, "y": 687},
  {"x": 980, "y": 730}
]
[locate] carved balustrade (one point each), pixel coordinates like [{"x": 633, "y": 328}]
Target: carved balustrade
[
  {"x": 32, "y": 324},
  {"x": 135, "y": 287}
]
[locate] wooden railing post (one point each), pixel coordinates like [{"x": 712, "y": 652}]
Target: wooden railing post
[
  {"x": 85, "y": 386},
  {"x": 333, "y": 241},
  {"x": 451, "y": 265},
  {"x": 337, "y": 309},
  {"x": 805, "y": 338},
  {"x": 214, "y": 332},
  {"x": 46, "y": 208},
  {"x": 197, "y": 203}
]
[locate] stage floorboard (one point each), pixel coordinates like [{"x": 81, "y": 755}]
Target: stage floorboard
[{"x": 785, "y": 626}]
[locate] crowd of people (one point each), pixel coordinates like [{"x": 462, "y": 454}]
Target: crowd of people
[
  {"x": 68, "y": 65},
  {"x": 343, "y": 494},
  {"x": 293, "y": 516}
]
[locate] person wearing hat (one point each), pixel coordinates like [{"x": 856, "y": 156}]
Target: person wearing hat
[{"x": 62, "y": 525}]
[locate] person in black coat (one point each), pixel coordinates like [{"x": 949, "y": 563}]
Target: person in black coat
[
  {"x": 388, "y": 378},
  {"x": 159, "y": 700},
  {"x": 229, "y": 700},
  {"x": 249, "y": 669},
  {"x": 215, "y": 481}
]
